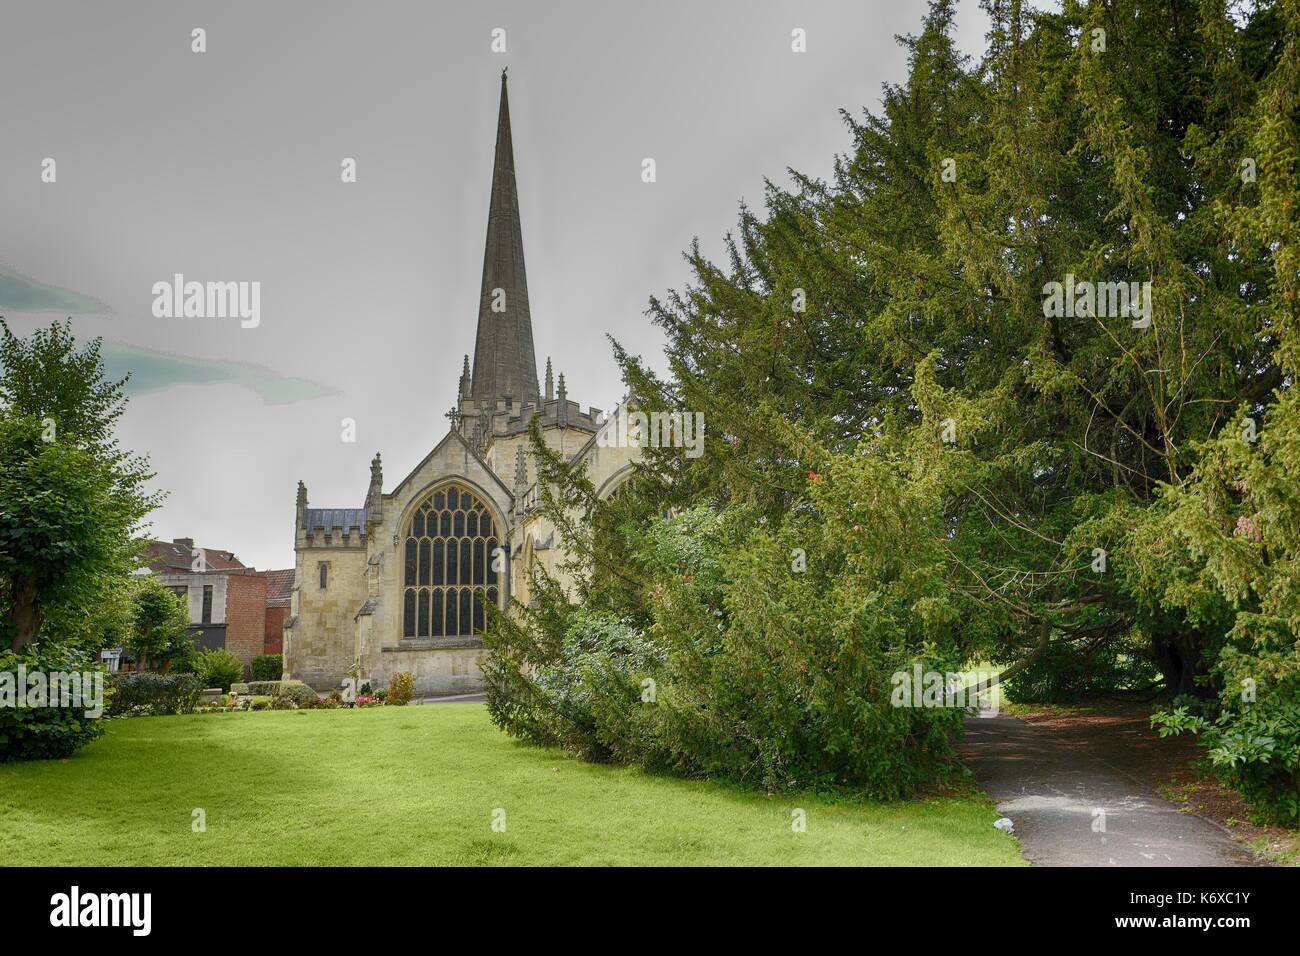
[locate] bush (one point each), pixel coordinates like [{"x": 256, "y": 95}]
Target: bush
[
  {"x": 220, "y": 668},
  {"x": 45, "y": 733},
  {"x": 294, "y": 690},
  {"x": 400, "y": 689},
  {"x": 268, "y": 667},
  {"x": 144, "y": 692},
  {"x": 744, "y": 670},
  {"x": 1062, "y": 675},
  {"x": 1252, "y": 731}
]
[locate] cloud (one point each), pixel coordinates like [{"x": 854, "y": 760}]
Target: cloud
[
  {"x": 26, "y": 295},
  {"x": 154, "y": 371}
]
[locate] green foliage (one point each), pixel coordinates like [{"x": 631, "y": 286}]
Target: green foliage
[
  {"x": 294, "y": 690},
  {"x": 970, "y": 476},
  {"x": 219, "y": 668},
  {"x": 71, "y": 502},
  {"x": 146, "y": 692},
  {"x": 45, "y": 733},
  {"x": 745, "y": 669},
  {"x": 159, "y": 638},
  {"x": 1063, "y": 676},
  {"x": 400, "y": 689},
  {"x": 268, "y": 667}
]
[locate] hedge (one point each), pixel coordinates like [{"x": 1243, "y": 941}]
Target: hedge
[
  {"x": 295, "y": 690},
  {"x": 268, "y": 667},
  {"x": 144, "y": 692}
]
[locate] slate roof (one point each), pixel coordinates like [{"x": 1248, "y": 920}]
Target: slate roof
[
  {"x": 329, "y": 518},
  {"x": 177, "y": 557},
  {"x": 279, "y": 587}
]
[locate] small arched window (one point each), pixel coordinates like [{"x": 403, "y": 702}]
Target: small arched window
[{"x": 449, "y": 548}]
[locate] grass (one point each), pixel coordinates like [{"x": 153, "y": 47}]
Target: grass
[{"x": 418, "y": 786}]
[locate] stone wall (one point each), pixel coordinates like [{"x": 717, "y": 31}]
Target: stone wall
[
  {"x": 320, "y": 648},
  {"x": 438, "y": 671}
]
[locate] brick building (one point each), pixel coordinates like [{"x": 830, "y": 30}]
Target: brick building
[
  {"x": 279, "y": 597},
  {"x": 231, "y": 605}
]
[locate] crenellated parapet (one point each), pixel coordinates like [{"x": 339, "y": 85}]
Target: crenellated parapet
[{"x": 332, "y": 528}]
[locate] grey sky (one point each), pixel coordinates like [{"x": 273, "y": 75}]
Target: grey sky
[{"x": 225, "y": 166}]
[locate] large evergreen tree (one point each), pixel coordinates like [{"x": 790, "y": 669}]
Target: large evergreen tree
[{"x": 971, "y": 474}]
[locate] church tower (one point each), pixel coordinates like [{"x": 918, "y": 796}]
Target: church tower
[
  {"x": 401, "y": 584},
  {"x": 504, "y": 364},
  {"x": 499, "y": 398}
]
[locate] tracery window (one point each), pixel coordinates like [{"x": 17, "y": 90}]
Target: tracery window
[{"x": 449, "y": 546}]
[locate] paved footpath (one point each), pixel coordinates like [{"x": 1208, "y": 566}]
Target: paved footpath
[{"x": 1053, "y": 792}]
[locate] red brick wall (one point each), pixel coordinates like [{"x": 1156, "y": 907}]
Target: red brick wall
[
  {"x": 245, "y": 616},
  {"x": 273, "y": 643}
]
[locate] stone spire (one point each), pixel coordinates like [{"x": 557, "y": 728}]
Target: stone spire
[
  {"x": 521, "y": 480},
  {"x": 563, "y": 396},
  {"x": 465, "y": 379},
  {"x": 504, "y": 364},
  {"x": 375, "y": 492},
  {"x": 550, "y": 382},
  {"x": 521, "y": 469}
]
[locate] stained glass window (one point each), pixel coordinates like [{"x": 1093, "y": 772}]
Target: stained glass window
[{"x": 448, "y": 566}]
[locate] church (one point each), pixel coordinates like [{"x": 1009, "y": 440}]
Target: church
[{"x": 395, "y": 584}]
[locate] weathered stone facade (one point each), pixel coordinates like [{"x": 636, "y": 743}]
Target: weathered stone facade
[{"x": 401, "y": 574}]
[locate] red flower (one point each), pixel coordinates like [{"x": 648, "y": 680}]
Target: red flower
[{"x": 813, "y": 476}]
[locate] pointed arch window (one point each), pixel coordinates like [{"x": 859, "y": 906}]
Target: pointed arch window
[{"x": 447, "y": 570}]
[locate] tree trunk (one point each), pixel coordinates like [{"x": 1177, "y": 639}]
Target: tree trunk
[
  {"x": 1178, "y": 660},
  {"x": 27, "y": 611}
]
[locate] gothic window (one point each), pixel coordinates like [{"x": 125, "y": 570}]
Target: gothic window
[{"x": 448, "y": 565}]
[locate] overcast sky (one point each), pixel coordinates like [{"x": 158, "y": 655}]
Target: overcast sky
[{"x": 225, "y": 166}]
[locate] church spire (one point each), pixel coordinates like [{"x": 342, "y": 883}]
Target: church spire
[{"x": 504, "y": 364}]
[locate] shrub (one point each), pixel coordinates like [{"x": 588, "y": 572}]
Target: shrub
[
  {"x": 144, "y": 692},
  {"x": 295, "y": 690},
  {"x": 44, "y": 733},
  {"x": 1252, "y": 736},
  {"x": 220, "y": 668},
  {"x": 400, "y": 689},
  {"x": 268, "y": 667},
  {"x": 1061, "y": 676},
  {"x": 260, "y": 703},
  {"x": 743, "y": 669}
]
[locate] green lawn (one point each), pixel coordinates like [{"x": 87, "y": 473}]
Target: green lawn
[{"x": 418, "y": 786}]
